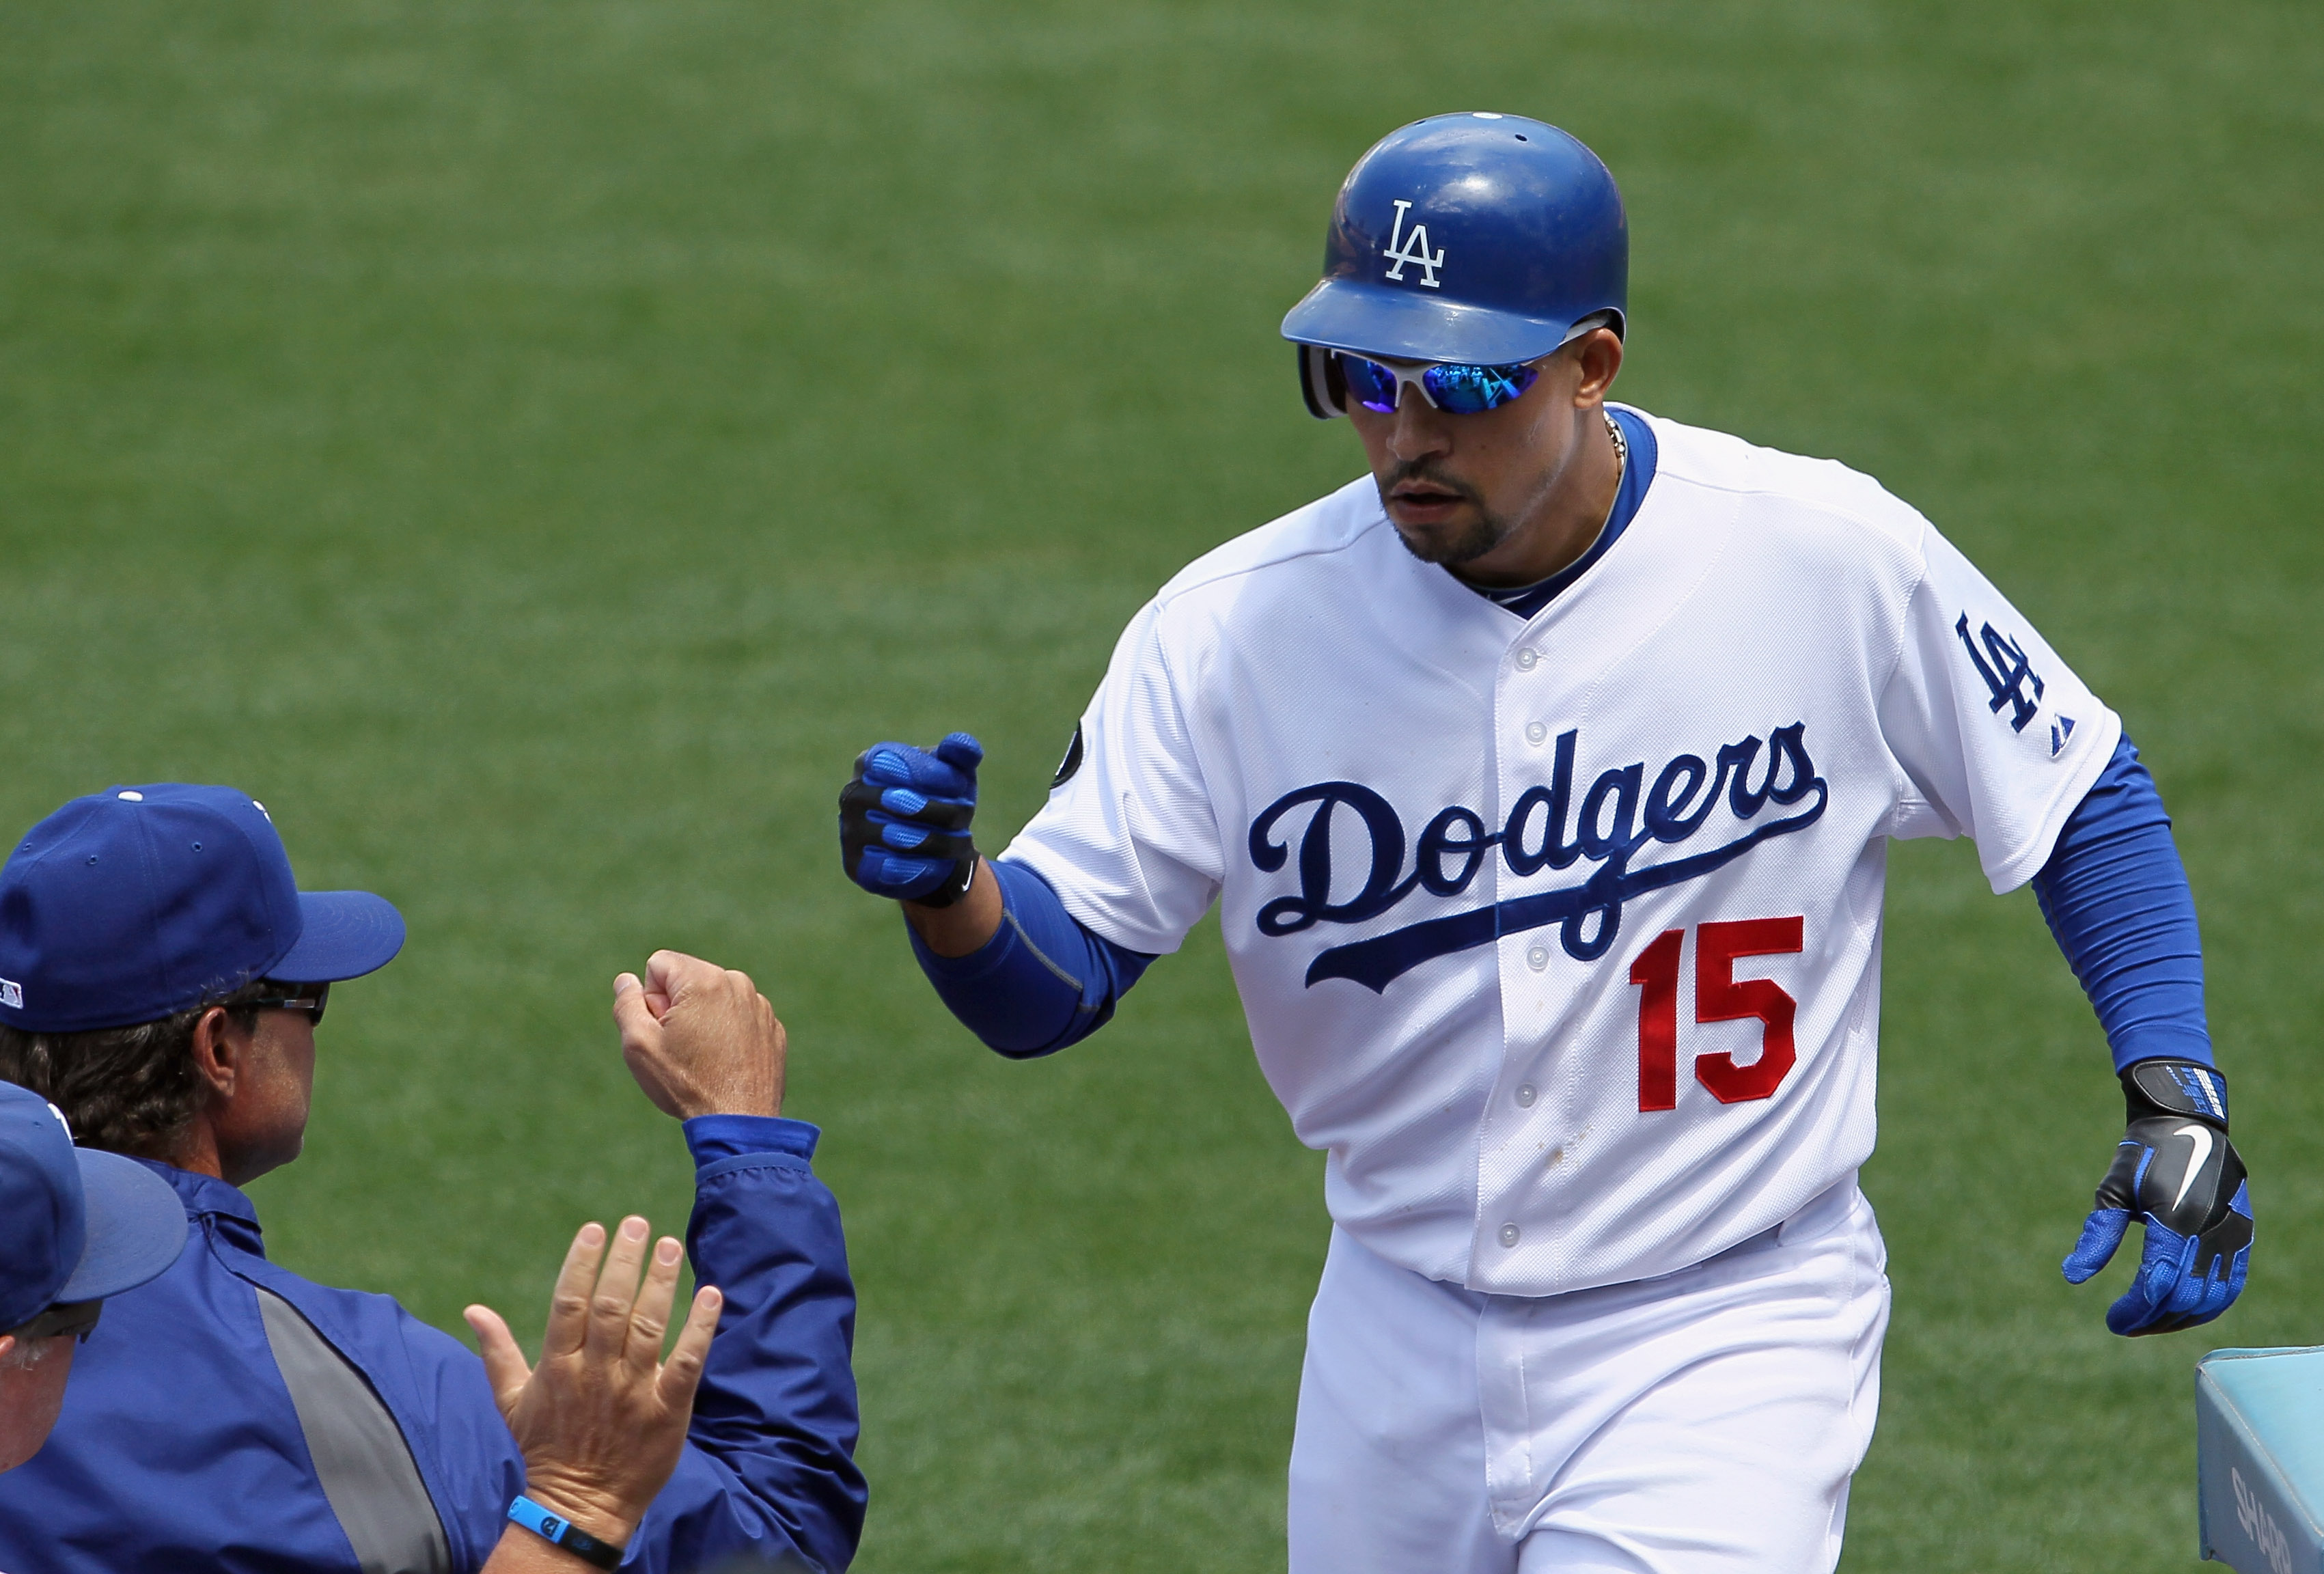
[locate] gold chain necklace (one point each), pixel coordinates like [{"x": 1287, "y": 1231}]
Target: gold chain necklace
[{"x": 1621, "y": 449}]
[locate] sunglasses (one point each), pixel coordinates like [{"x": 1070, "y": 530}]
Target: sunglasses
[
  {"x": 309, "y": 998},
  {"x": 1451, "y": 387},
  {"x": 76, "y": 1318}
]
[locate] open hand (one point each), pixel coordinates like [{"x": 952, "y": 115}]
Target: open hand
[{"x": 603, "y": 1418}]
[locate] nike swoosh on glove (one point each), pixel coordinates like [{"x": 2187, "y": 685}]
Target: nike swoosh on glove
[
  {"x": 904, "y": 820},
  {"x": 2178, "y": 1172}
]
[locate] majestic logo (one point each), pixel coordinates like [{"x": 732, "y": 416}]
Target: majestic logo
[
  {"x": 1412, "y": 248},
  {"x": 2005, "y": 678},
  {"x": 1620, "y": 815}
]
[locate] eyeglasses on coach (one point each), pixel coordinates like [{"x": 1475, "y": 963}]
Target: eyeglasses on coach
[
  {"x": 309, "y": 998},
  {"x": 76, "y": 1318},
  {"x": 1452, "y": 387}
]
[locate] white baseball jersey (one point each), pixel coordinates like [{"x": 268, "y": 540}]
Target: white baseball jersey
[{"x": 1561, "y": 937}]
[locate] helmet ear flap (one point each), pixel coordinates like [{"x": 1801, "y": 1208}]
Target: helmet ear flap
[{"x": 1320, "y": 382}]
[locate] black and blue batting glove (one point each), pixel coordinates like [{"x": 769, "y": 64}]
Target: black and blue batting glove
[
  {"x": 2179, "y": 1173},
  {"x": 903, "y": 820}
]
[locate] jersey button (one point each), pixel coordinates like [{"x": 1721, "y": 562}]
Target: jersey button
[
  {"x": 1535, "y": 731},
  {"x": 1510, "y": 1233},
  {"x": 1537, "y": 958},
  {"x": 1527, "y": 658},
  {"x": 1526, "y": 1095}
]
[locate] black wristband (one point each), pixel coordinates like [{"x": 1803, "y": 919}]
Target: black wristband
[
  {"x": 2175, "y": 1087},
  {"x": 964, "y": 875},
  {"x": 559, "y": 1532}
]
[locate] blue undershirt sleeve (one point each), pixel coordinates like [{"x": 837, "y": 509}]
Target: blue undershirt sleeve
[
  {"x": 1042, "y": 982},
  {"x": 2116, "y": 897}
]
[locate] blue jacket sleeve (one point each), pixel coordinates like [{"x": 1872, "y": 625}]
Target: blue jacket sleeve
[
  {"x": 2116, "y": 899},
  {"x": 1043, "y": 982},
  {"x": 770, "y": 1469}
]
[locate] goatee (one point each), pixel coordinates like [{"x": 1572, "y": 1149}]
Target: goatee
[{"x": 1450, "y": 546}]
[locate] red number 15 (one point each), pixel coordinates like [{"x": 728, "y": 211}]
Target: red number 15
[{"x": 1718, "y": 998}]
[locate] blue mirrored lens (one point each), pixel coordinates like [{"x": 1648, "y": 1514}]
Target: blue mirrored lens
[
  {"x": 1468, "y": 389},
  {"x": 1458, "y": 390},
  {"x": 1373, "y": 384}
]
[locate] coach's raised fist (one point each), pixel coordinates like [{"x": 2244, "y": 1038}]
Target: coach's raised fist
[
  {"x": 700, "y": 1038},
  {"x": 903, "y": 820},
  {"x": 2176, "y": 1172}
]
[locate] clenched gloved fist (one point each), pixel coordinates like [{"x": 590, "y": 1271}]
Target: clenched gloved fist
[
  {"x": 903, "y": 821},
  {"x": 2177, "y": 1171}
]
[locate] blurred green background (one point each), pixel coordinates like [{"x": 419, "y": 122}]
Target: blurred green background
[{"x": 534, "y": 446}]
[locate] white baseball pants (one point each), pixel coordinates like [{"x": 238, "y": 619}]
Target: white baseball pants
[{"x": 1706, "y": 1421}]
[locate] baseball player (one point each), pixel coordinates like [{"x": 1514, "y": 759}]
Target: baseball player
[{"x": 1544, "y": 778}]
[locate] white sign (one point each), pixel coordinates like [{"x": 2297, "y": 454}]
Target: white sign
[
  {"x": 1412, "y": 248},
  {"x": 2259, "y": 1525}
]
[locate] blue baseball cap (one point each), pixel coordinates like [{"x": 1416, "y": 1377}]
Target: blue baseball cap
[
  {"x": 75, "y": 1224},
  {"x": 137, "y": 903}
]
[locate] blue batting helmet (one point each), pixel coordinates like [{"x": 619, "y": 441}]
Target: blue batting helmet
[{"x": 1482, "y": 238}]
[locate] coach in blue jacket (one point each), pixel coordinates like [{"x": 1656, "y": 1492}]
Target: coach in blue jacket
[{"x": 161, "y": 979}]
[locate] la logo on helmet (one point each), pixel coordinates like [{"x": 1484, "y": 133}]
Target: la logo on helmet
[{"x": 1412, "y": 248}]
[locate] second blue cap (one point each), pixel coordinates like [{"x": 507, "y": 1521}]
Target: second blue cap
[{"x": 75, "y": 1225}]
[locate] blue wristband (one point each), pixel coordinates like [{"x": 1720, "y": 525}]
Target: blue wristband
[{"x": 560, "y": 1532}]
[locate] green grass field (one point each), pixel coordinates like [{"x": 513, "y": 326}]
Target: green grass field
[{"x": 534, "y": 446}]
